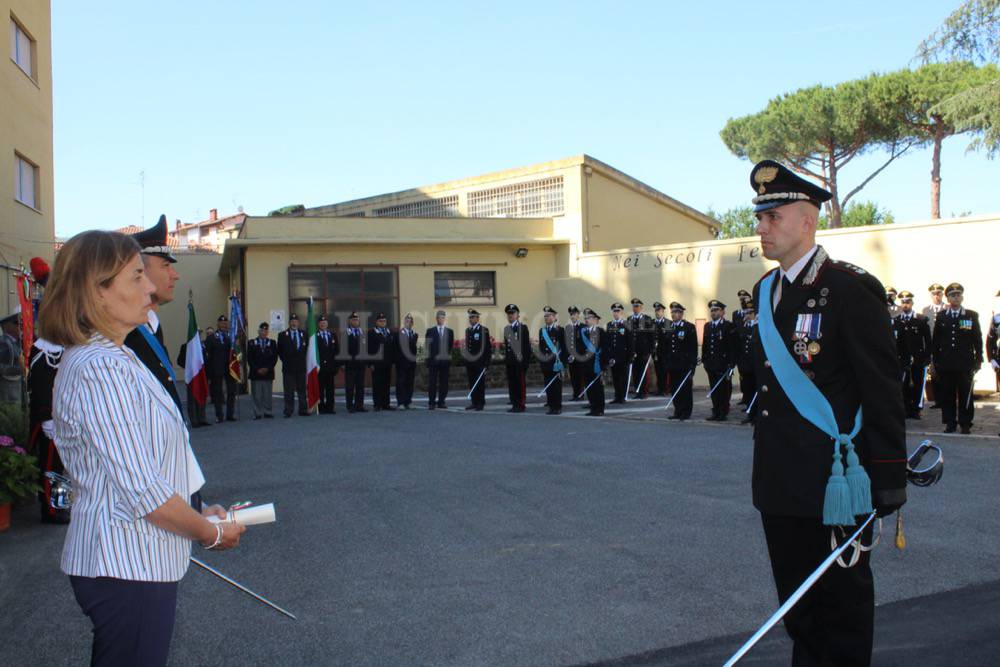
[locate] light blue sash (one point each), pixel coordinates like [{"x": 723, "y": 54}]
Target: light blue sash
[
  {"x": 847, "y": 494},
  {"x": 558, "y": 366},
  {"x": 158, "y": 349},
  {"x": 589, "y": 344}
]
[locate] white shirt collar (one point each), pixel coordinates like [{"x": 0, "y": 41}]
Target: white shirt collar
[
  {"x": 154, "y": 320},
  {"x": 795, "y": 269}
]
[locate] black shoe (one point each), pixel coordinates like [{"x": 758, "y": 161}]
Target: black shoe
[
  {"x": 430, "y": 406},
  {"x": 617, "y": 402},
  {"x": 218, "y": 420},
  {"x": 441, "y": 404},
  {"x": 268, "y": 416},
  {"x": 232, "y": 419},
  {"x": 595, "y": 414},
  {"x": 950, "y": 428},
  {"x": 256, "y": 417},
  {"x": 470, "y": 407},
  {"x": 361, "y": 409},
  {"x": 642, "y": 397},
  {"x": 288, "y": 415},
  {"x": 713, "y": 418},
  {"x": 478, "y": 408},
  {"x": 351, "y": 410},
  {"x": 966, "y": 430},
  {"x": 722, "y": 418},
  {"x": 674, "y": 417},
  {"x": 512, "y": 410},
  {"x": 389, "y": 407},
  {"x": 304, "y": 414},
  {"x": 203, "y": 424},
  {"x": 554, "y": 411},
  {"x": 746, "y": 420},
  {"x": 935, "y": 407}
]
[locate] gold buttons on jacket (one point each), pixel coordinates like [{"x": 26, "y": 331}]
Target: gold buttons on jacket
[
  {"x": 767, "y": 363},
  {"x": 764, "y": 413},
  {"x": 763, "y": 388}
]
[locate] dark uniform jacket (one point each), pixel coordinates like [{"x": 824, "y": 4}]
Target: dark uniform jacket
[
  {"x": 517, "y": 345},
  {"x": 478, "y": 348},
  {"x": 993, "y": 341},
  {"x": 546, "y": 359},
  {"x": 719, "y": 341},
  {"x": 137, "y": 343},
  {"x": 619, "y": 344},
  {"x": 661, "y": 332},
  {"x": 405, "y": 352},
  {"x": 958, "y": 341},
  {"x": 293, "y": 358},
  {"x": 642, "y": 333},
  {"x": 355, "y": 349},
  {"x": 682, "y": 345},
  {"x": 601, "y": 341},
  {"x": 744, "y": 351},
  {"x": 41, "y": 379},
  {"x": 327, "y": 349},
  {"x": 738, "y": 316},
  {"x": 380, "y": 346},
  {"x": 439, "y": 347},
  {"x": 262, "y": 354},
  {"x": 856, "y": 366},
  {"x": 572, "y": 341},
  {"x": 913, "y": 340},
  {"x": 216, "y": 355}
]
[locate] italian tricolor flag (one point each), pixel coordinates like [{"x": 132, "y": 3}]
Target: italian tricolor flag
[
  {"x": 194, "y": 362},
  {"x": 312, "y": 361}
]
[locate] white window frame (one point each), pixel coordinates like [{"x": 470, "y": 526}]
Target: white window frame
[
  {"x": 23, "y": 49},
  {"x": 25, "y": 193}
]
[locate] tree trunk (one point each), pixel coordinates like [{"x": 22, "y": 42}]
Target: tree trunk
[
  {"x": 936, "y": 168},
  {"x": 835, "y": 209}
]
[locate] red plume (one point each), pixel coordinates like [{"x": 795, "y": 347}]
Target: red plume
[{"x": 39, "y": 270}]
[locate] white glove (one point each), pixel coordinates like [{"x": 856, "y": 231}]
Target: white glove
[
  {"x": 995, "y": 365},
  {"x": 49, "y": 429}
]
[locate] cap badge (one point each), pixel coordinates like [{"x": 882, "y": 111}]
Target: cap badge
[{"x": 764, "y": 175}]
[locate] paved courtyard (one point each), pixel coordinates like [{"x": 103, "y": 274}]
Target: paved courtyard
[{"x": 457, "y": 538}]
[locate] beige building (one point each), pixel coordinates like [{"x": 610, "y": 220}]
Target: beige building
[
  {"x": 27, "y": 221},
  {"x": 208, "y": 235}
]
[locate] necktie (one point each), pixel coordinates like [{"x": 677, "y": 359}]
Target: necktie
[{"x": 782, "y": 285}]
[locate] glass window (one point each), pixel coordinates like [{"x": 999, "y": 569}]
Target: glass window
[
  {"x": 22, "y": 48},
  {"x": 380, "y": 282},
  {"x": 464, "y": 288},
  {"x": 25, "y": 182},
  {"x": 305, "y": 283},
  {"x": 339, "y": 290}
]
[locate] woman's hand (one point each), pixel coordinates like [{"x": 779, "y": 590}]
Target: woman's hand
[
  {"x": 214, "y": 510},
  {"x": 228, "y": 539}
]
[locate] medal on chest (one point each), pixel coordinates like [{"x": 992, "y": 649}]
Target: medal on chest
[{"x": 808, "y": 331}]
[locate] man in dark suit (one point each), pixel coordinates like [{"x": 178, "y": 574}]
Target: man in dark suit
[
  {"x": 957, "y": 347},
  {"x": 574, "y": 348},
  {"x": 744, "y": 297},
  {"x": 619, "y": 352},
  {"x": 221, "y": 385},
  {"x": 681, "y": 359},
  {"x": 380, "y": 348},
  {"x": 718, "y": 354},
  {"x": 292, "y": 348},
  {"x": 327, "y": 349},
  {"x": 552, "y": 357},
  {"x": 405, "y": 354},
  {"x": 826, "y": 320},
  {"x": 516, "y": 356},
  {"x": 913, "y": 346},
  {"x": 641, "y": 334},
  {"x": 354, "y": 366},
  {"x": 745, "y": 362},
  {"x": 661, "y": 327},
  {"x": 440, "y": 340},
  {"x": 596, "y": 359},
  {"x": 478, "y": 352},
  {"x": 262, "y": 357}
]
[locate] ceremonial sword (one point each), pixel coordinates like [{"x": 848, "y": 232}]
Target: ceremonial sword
[
  {"x": 645, "y": 369},
  {"x": 476, "y": 383},
  {"x": 598, "y": 377},
  {"x": 923, "y": 389},
  {"x": 628, "y": 382},
  {"x": 752, "y": 401},
  {"x": 546, "y": 387},
  {"x": 674, "y": 394},
  {"x": 726, "y": 375},
  {"x": 243, "y": 588}
]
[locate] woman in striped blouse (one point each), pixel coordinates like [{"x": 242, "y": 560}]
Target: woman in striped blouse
[{"x": 124, "y": 444}]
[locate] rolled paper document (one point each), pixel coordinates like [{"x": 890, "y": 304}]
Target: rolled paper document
[{"x": 249, "y": 516}]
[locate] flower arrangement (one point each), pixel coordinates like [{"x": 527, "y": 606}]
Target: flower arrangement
[{"x": 18, "y": 472}]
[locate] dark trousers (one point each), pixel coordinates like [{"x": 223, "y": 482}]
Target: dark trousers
[
  {"x": 327, "y": 391},
  {"x": 295, "y": 383},
  {"x": 638, "y": 366},
  {"x": 553, "y": 395},
  {"x": 954, "y": 395},
  {"x": 479, "y": 393},
  {"x": 576, "y": 378},
  {"x": 381, "y": 378},
  {"x": 223, "y": 390},
  {"x": 619, "y": 376},
  {"x": 913, "y": 389},
  {"x": 437, "y": 383},
  {"x": 595, "y": 395},
  {"x": 683, "y": 396},
  {"x": 662, "y": 382},
  {"x": 133, "y": 620},
  {"x": 831, "y": 624},
  {"x": 748, "y": 386},
  {"x": 516, "y": 390},
  {"x": 354, "y": 386},
  {"x": 404, "y": 383},
  {"x": 722, "y": 394},
  {"x": 196, "y": 412}
]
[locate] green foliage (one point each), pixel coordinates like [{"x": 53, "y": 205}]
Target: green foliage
[
  {"x": 860, "y": 214},
  {"x": 14, "y": 423},
  {"x": 976, "y": 110},
  {"x": 735, "y": 223},
  {"x": 18, "y": 473},
  {"x": 294, "y": 209}
]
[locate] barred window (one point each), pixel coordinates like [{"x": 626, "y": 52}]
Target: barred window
[
  {"x": 357, "y": 214},
  {"x": 465, "y": 288},
  {"x": 445, "y": 207},
  {"x": 532, "y": 199}
]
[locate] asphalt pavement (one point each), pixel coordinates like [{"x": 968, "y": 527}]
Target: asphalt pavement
[{"x": 487, "y": 538}]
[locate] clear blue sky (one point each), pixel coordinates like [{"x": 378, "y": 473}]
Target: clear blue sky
[{"x": 263, "y": 104}]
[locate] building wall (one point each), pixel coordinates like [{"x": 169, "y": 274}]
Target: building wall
[
  {"x": 906, "y": 256},
  {"x": 616, "y": 215},
  {"x": 25, "y": 127}
]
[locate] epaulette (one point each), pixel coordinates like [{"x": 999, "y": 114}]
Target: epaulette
[{"x": 873, "y": 284}]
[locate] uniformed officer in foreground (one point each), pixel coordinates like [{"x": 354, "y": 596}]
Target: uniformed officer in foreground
[
  {"x": 681, "y": 359},
  {"x": 719, "y": 340},
  {"x": 596, "y": 359},
  {"x": 574, "y": 346},
  {"x": 619, "y": 352},
  {"x": 516, "y": 357},
  {"x": 641, "y": 339},
  {"x": 826, "y": 320},
  {"x": 661, "y": 329},
  {"x": 552, "y": 357},
  {"x": 957, "y": 350},
  {"x": 478, "y": 353},
  {"x": 913, "y": 345}
]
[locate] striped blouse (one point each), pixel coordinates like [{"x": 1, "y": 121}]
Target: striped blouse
[{"x": 125, "y": 446}]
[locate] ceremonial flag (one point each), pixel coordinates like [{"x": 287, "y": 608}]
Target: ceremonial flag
[
  {"x": 194, "y": 361},
  {"x": 312, "y": 361},
  {"x": 27, "y": 319},
  {"x": 235, "y": 349}
]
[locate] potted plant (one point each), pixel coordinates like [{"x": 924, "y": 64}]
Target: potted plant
[{"x": 18, "y": 477}]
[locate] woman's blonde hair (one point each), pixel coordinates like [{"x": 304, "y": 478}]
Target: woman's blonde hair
[{"x": 70, "y": 312}]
